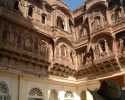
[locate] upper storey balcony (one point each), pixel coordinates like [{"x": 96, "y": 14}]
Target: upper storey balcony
[{"x": 64, "y": 61}]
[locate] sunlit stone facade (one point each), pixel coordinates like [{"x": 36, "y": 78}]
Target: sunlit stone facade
[{"x": 48, "y": 52}]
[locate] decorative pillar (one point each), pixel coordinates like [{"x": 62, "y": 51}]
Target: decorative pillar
[
  {"x": 108, "y": 16},
  {"x": 119, "y": 44},
  {"x": 116, "y": 51},
  {"x": 100, "y": 49},
  {"x": 89, "y": 22},
  {"x": 102, "y": 21},
  {"x": 106, "y": 48}
]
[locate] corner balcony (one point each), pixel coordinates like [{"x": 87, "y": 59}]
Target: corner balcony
[
  {"x": 100, "y": 67},
  {"x": 101, "y": 29},
  {"x": 119, "y": 24}
]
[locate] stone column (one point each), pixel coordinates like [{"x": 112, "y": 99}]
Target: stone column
[
  {"x": 100, "y": 49},
  {"x": 106, "y": 48},
  {"x": 108, "y": 16},
  {"x": 89, "y": 22},
  {"x": 116, "y": 52}
]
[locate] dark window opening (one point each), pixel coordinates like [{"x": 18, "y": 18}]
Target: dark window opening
[
  {"x": 60, "y": 23},
  {"x": 102, "y": 44},
  {"x": 16, "y": 5},
  {"x": 70, "y": 25},
  {"x": 30, "y": 11},
  {"x": 78, "y": 21},
  {"x": 43, "y": 18}
]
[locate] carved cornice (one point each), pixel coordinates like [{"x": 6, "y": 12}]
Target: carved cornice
[{"x": 62, "y": 71}]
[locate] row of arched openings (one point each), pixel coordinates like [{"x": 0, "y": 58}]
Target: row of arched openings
[{"x": 34, "y": 93}]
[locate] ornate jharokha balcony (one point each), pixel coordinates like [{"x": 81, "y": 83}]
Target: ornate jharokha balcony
[
  {"x": 102, "y": 65},
  {"x": 119, "y": 23}
]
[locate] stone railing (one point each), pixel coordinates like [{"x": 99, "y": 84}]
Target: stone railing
[
  {"x": 120, "y": 23},
  {"x": 62, "y": 66},
  {"x": 103, "y": 57},
  {"x": 100, "y": 65},
  {"x": 60, "y": 32},
  {"x": 64, "y": 61}
]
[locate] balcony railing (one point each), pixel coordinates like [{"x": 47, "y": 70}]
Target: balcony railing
[
  {"x": 104, "y": 57},
  {"x": 61, "y": 32},
  {"x": 64, "y": 61}
]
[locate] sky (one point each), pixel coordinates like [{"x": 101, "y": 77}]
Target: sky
[{"x": 73, "y": 4}]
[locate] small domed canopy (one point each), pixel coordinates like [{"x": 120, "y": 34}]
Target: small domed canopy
[
  {"x": 64, "y": 10},
  {"x": 96, "y": 4},
  {"x": 62, "y": 39},
  {"x": 60, "y": 5}
]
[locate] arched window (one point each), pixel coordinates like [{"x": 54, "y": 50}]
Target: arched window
[
  {"x": 97, "y": 20},
  {"x": 60, "y": 23},
  {"x": 84, "y": 32},
  {"x": 53, "y": 95},
  {"x": 102, "y": 45},
  {"x": 16, "y": 5},
  {"x": 44, "y": 51},
  {"x": 102, "y": 48},
  {"x": 71, "y": 25},
  {"x": 4, "y": 91},
  {"x": 63, "y": 50},
  {"x": 96, "y": 23},
  {"x": 43, "y": 19},
  {"x": 120, "y": 37},
  {"x": 114, "y": 17},
  {"x": 35, "y": 94},
  {"x": 69, "y": 95},
  {"x": 30, "y": 11}
]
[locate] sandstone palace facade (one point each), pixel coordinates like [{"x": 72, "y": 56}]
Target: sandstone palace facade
[{"x": 48, "y": 52}]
